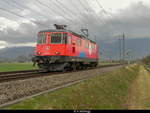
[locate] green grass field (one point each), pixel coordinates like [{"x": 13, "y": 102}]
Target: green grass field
[
  {"x": 4, "y": 67},
  {"x": 107, "y": 91},
  {"x": 16, "y": 66},
  {"x": 107, "y": 63}
]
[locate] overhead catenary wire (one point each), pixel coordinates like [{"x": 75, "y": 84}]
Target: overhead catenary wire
[
  {"x": 79, "y": 12},
  {"x": 68, "y": 10},
  {"x": 122, "y": 47},
  {"x": 22, "y": 17},
  {"x": 97, "y": 18},
  {"x": 79, "y": 15},
  {"x": 99, "y": 4},
  {"x": 53, "y": 10},
  {"x": 12, "y": 4},
  {"x": 115, "y": 29},
  {"x": 40, "y": 3},
  {"x": 65, "y": 11},
  {"x": 87, "y": 10},
  {"x": 89, "y": 20},
  {"x": 69, "y": 20},
  {"x": 22, "y": 7},
  {"x": 64, "y": 7},
  {"x": 105, "y": 12}
]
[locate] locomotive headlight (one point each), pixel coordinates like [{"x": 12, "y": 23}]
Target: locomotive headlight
[
  {"x": 38, "y": 53},
  {"x": 57, "y": 53}
]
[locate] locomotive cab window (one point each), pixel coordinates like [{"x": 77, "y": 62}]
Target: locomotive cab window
[
  {"x": 56, "y": 38},
  {"x": 42, "y": 38}
]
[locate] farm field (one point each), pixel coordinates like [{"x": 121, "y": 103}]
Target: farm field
[
  {"x": 107, "y": 63},
  {"x": 4, "y": 67},
  {"x": 16, "y": 66},
  {"x": 108, "y": 91}
]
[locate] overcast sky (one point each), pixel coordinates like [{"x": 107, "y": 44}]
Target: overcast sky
[{"x": 20, "y": 20}]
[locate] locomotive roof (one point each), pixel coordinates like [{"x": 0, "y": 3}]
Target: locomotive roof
[{"x": 61, "y": 30}]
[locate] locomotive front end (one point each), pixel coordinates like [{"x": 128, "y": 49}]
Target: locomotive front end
[{"x": 50, "y": 49}]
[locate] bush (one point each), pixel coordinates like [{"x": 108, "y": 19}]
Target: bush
[{"x": 146, "y": 60}]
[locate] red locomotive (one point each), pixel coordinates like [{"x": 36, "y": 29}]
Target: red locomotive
[{"x": 61, "y": 50}]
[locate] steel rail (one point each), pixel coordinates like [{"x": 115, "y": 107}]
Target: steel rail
[{"x": 11, "y": 72}]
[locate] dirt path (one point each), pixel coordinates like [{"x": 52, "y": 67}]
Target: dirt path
[{"x": 139, "y": 95}]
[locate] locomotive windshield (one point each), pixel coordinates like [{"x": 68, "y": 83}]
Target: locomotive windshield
[
  {"x": 57, "y": 38},
  {"x": 42, "y": 38}
]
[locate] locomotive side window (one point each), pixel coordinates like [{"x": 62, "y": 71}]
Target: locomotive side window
[
  {"x": 86, "y": 44},
  {"x": 69, "y": 39},
  {"x": 42, "y": 38},
  {"x": 56, "y": 38},
  {"x": 79, "y": 42},
  {"x": 64, "y": 41},
  {"x": 93, "y": 46}
]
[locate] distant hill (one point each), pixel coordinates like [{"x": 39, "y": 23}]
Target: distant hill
[{"x": 17, "y": 51}]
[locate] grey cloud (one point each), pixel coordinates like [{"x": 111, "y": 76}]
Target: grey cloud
[{"x": 134, "y": 21}]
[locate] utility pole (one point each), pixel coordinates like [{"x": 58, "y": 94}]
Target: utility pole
[
  {"x": 109, "y": 55},
  {"x": 123, "y": 48},
  {"x": 120, "y": 50}
]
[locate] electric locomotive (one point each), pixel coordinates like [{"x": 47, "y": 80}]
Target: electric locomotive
[{"x": 60, "y": 50}]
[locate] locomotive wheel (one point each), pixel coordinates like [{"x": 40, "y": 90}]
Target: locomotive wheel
[
  {"x": 74, "y": 68},
  {"x": 64, "y": 70},
  {"x": 80, "y": 68},
  {"x": 95, "y": 65},
  {"x": 85, "y": 67}
]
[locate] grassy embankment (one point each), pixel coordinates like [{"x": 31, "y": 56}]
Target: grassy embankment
[
  {"x": 107, "y": 91},
  {"x": 16, "y": 66},
  {"x": 139, "y": 96}
]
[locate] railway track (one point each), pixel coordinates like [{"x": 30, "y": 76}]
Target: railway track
[
  {"x": 19, "y": 75},
  {"x": 15, "y": 72},
  {"x": 61, "y": 83},
  {"x": 46, "y": 91}
]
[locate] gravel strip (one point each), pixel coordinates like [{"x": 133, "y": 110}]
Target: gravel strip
[{"x": 13, "y": 90}]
